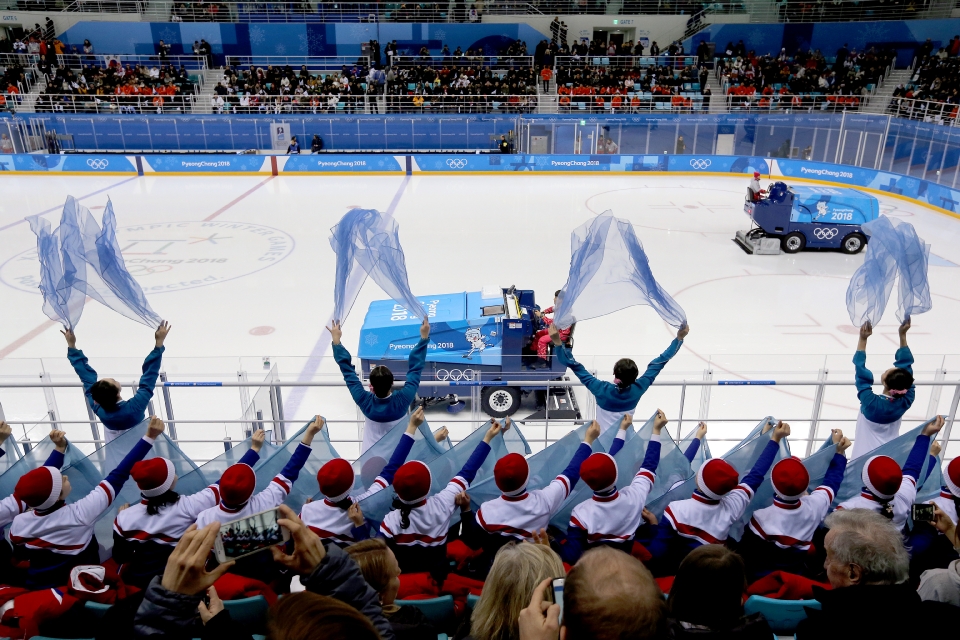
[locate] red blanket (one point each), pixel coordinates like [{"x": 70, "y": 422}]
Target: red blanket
[
  {"x": 781, "y": 585},
  {"x": 417, "y": 586},
  {"x": 230, "y": 586}
]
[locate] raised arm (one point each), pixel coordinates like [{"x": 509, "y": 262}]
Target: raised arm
[
  {"x": 694, "y": 446},
  {"x": 55, "y": 459},
  {"x": 565, "y": 356},
  {"x": 863, "y": 376},
  {"x": 903, "y": 359},
  {"x": 291, "y": 470},
  {"x": 418, "y": 357},
  {"x": 480, "y": 453},
  {"x": 252, "y": 455},
  {"x": 765, "y": 461},
  {"x": 151, "y": 370},
  {"x": 651, "y": 459},
  {"x": 86, "y": 373},
  {"x": 838, "y": 464},
  {"x": 657, "y": 364},
  {"x": 621, "y": 438},
  {"x": 918, "y": 454},
  {"x": 572, "y": 472},
  {"x": 402, "y": 449},
  {"x": 345, "y": 361}
]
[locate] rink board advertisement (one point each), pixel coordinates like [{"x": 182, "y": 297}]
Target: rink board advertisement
[
  {"x": 459, "y": 333},
  {"x": 899, "y": 185}
]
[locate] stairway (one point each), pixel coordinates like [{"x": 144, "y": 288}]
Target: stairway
[
  {"x": 210, "y": 79},
  {"x": 547, "y": 102},
  {"x": 878, "y": 102}
]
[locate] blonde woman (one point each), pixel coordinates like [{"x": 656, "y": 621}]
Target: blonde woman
[
  {"x": 381, "y": 571},
  {"x": 516, "y": 572}
]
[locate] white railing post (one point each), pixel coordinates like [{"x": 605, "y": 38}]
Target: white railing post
[
  {"x": 948, "y": 428},
  {"x": 939, "y": 375},
  {"x": 705, "y": 395},
  {"x": 815, "y": 414}
]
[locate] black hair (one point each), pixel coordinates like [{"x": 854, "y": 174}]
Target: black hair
[
  {"x": 104, "y": 394},
  {"x": 344, "y": 504},
  {"x": 556, "y": 294},
  {"x": 626, "y": 372},
  {"x": 886, "y": 509},
  {"x": 404, "y": 510},
  {"x": 381, "y": 378},
  {"x": 156, "y": 503},
  {"x": 899, "y": 380}
]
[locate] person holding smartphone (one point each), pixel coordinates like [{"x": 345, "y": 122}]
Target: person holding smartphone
[
  {"x": 416, "y": 529},
  {"x": 54, "y": 536},
  {"x": 890, "y": 490},
  {"x": 337, "y": 518},
  {"x": 611, "y": 517},
  {"x": 145, "y": 534}
]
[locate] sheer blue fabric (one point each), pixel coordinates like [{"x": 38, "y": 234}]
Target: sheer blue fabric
[
  {"x": 82, "y": 259},
  {"x": 87, "y": 472},
  {"x": 895, "y": 250},
  {"x": 672, "y": 468},
  {"x": 210, "y": 472},
  {"x": 816, "y": 466},
  {"x": 609, "y": 271},
  {"x": 306, "y": 484},
  {"x": 365, "y": 237},
  {"x": 930, "y": 488},
  {"x": 545, "y": 466},
  {"x": 742, "y": 456},
  {"x": 898, "y": 449},
  {"x": 11, "y": 455},
  {"x": 369, "y": 465},
  {"x": 703, "y": 453},
  {"x": 444, "y": 467},
  {"x": 16, "y": 463}
]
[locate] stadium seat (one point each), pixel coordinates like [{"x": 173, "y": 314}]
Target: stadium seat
[
  {"x": 439, "y": 611},
  {"x": 249, "y": 612},
  {"x": 783, "y": 616},
  {"x": 97, "y": 609},
  {"x": 472, "y": 601}
]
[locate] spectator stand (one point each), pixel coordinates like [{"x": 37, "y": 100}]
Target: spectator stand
[
  {"x": 313, "y": 12},
  {"x": 932, "y": 93},
  {"x": 807, "y": 81},
  {"x": 121, "y": 84},
  {"x": 19, "y": 75},
  {"x": 848, "y": 10},
  {"x": 629, "y": 84}
]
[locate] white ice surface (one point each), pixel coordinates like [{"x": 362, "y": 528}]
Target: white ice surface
[{"x": 265, "y": 272}]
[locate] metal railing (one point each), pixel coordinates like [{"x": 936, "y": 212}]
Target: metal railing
[
  {"x": 81, "y": 60},
  {"x": 104, "y": 103},
  {"x": 629, "y": 62},
  {"x": 809, "y": 429},
  {"x": 463, "y": 61},
  {"x": 848, "y": 11},
  {"x": 448, "y": 11},
  {"x": 313, "y": 63}
]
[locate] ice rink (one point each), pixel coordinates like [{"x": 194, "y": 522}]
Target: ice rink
[{"x": 242, "y": 268}]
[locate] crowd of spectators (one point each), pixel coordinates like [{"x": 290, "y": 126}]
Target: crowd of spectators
[
  {"x": 933, "y": 92},
  {"x": 803, "y": 81},
  {"x": 117, "y": 88},
  {"x": 286, "y": 90},
  {"x": 202, "y": 11},
  {"x": 849, "y": 10}
]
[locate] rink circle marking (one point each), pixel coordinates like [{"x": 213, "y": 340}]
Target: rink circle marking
[
  {"x": 263, "y": 330},
  {"x": 174, "y": 256}
]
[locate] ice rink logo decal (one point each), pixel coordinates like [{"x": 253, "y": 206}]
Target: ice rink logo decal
[
  {"x": 825, "y": 233},
  {"x": 98, "y": 164},
  {"x": 700, "y": 163},
  {"x": 172, "y": 256},
  {"x": 456, "y": 163},
  {"x": 456, "y": 375}
]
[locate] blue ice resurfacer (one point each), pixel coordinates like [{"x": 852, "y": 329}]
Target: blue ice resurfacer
[
  {"x": 478, "y": 338},
  {"x": 808, "y": 217}
]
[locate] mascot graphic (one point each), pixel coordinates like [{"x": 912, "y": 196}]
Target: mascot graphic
[{"x": 477, "y": 340}]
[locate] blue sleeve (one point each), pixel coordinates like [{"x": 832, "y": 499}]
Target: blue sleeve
[
  {"x": 55, "y": 459},
  {"x": 904, "y": 360},
  {"x": 3, "y": 453},
  {"x": 933, "y": 464},
  {"x": 119, "y": 476},
  {"x": 691, "y": 451},
  {"x": 652, "y": 457},
  {"x": 291, "y": 471},
  {"x": 362, "y": 532},
  {"x": 657, "y": 364},
  {"x": 593, "y": 385},
  {"x": 659, "y": 544},
  {"x": 762, "y": 465},
  {"x": 415, "y": 362},
  {"x": 574, "y": 546},
  {"x": 345, "y": 360},
  {"x": 476, "y": 460},
  {"x": 863, "y": 376},
  {"x": 618, "y": 443},
  {"x": 572, "y": 472},
  {"x": 250, "y": 458},
  {"x": 834, "y": 476},
  {"x": 84, "y": 371},
  {"x": 398, "y": 458},
  {"x": 918, "y": 455},
  {"x": 151, "y": 370}
]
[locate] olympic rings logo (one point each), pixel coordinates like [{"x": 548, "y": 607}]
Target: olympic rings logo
[
  {"x": 824, "y": 233},
  {"x": 97, "y": 163},
  {"x": 456, "y": 375},
  {"x": 456, "y": 163},
  {"x": 700, "y": 163}
]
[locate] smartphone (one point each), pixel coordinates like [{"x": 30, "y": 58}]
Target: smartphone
[
  {"x": 555, "y": 595},
  {"x": 249, "y": 535},
  {"x": 922, "y": 513}
]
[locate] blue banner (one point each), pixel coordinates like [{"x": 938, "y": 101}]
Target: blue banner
[
  {"x": 214, "y": 163},
  {"x": 343, "y": 163},
  {"x": 81, "y": 163}
]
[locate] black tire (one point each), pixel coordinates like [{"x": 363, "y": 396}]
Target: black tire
[
  {"x": 793, "y": 242},
  {"x": 500, "y": 402},
  {"x": 853, "y": 243}
]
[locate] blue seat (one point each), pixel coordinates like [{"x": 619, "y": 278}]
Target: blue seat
[
  {"x": 783, "y": 616},
  {"x": 251, "y": 613},
  {"x": 439, "y": 611},
  {"x": 472, "y": 601},
  {"x": 97, "y": 609}
]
